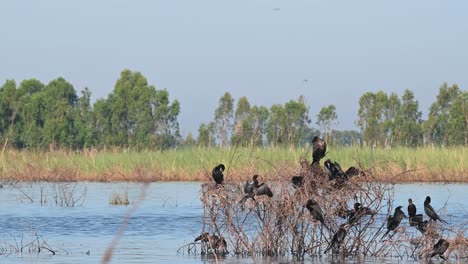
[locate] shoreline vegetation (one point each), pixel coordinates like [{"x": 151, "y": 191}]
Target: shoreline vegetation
[{"x": 426, "y": 164}]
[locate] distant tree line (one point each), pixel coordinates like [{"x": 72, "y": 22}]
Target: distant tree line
[
  {"x": 387, "y": 120},
  {"x": 137, "y": 115},
  {"x": 53, "y": 116}
]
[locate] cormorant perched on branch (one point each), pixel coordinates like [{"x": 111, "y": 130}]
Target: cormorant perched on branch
[
  {"x": 430, "y": 211},
  {"x": 263, "y": 189},
  {"x": 334, "y": 170},
  {"x": 297, "y": 181},
  {"x": 414, "y": 219},
  {"x": 357, "y": 212},
  {"x": 316, "y": 211},
  {"x": 394, "y": 221},
  {"x": 411, "y": 208},
  {"x": 338, "y": 238},
  {"x": 217, "y": 174},
  {"x": 319, "y": 149},
  {"x": 353, "y": 171},
  {"x": 253, "y": 188},
  {"x": 439, "y": 248},
  {"x": 422, "y": 226}
]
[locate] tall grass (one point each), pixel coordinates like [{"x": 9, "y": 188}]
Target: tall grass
[{"x": 195, "y": 164}]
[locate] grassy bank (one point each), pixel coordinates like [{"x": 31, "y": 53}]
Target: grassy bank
[{"x": 195, "y": 164}]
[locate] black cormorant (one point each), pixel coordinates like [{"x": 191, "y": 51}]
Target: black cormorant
[
  {"x": 338, "y": 238},
  {"x": 430, "y": 211},
  {"x": 254, "y": 188},
  {"x": 319, "y": 149},
  {"x": 353, "y": 171},
  {"x": 414, "y": 218},
  {"x": 411, "y": 208},
  {"x": 439, "y": 248},
  {"x": 297, "y": 181},
  {"x": 357, "y": 212},
  {"x": 263, "y": 189},
  {"x": 217, "y": 174},
  {"x": 394, "y": 221},
  {"x": 316, "y": 211}
]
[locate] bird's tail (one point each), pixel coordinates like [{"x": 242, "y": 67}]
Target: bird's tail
[
  {"x": 386, "y": 233},
  {"x": 443, "y": 221}
]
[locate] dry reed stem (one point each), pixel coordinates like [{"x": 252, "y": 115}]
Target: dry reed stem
[{"x": 108, "y": 253}]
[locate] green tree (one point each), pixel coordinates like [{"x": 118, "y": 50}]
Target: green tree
[
  {"x": 242, "y": 123},
  {"x": 436, "y": 127},
  {"x": 206, "y": 135},
  {"x": 276, "y": 126},
  {"x": 409, "y": 121},
  {"x": 457, "y": 126},
  {"x": 84, "y": 122},
  {"x": 103, "y": 128},
  {"x": 297, "y": 119},
  {"x": 29, "y": 127},
  {"x": 140, "y": 115},
  {"x": 223, "y": 118},
  {"x": 391, "y": 110},
  {"x": 258, "y": 118},
  {"x": 373, "y": 113},
  {"x": 10, "y": 105},
  {"x": 165, "y": 120},
  {"x": 326, "y": 119},
  {"x": 33, "y": 116},
  {"x": 189, "y": 141},
  {"x": 59, "y": 99}
]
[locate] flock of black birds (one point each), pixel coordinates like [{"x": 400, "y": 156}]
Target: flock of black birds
[{"x": 335, "y": 173}]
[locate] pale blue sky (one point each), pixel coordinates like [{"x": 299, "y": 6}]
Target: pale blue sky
[{"x": 197, "y": 50}]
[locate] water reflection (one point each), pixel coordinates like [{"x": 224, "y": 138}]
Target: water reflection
[{"x": 169, "y": 217}]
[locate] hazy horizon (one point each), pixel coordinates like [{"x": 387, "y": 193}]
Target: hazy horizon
[{"x": 264, "y": 50}]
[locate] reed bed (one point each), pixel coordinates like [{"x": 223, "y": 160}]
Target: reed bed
[
  {"x": 281, "y": 226},
  {"x": 428, "y": 164}
]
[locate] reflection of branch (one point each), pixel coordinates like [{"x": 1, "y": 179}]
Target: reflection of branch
[
  {"x": 108, "y": 254},
  {"x": 27, "y": 196}
]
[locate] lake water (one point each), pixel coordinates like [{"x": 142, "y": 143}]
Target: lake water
[{"x": 169, "y": 217}]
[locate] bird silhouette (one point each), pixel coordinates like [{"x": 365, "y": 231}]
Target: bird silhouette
[
  {"x": 319, "y": 149},
  {"x": 353, "y": 171},
  {"x": 357, "y": 212},
  {"x": 338, "y": 238},
  {"x": 414, "y": 218},
  {"x": 217, "y": 173},
  {"x": 215, "y": 243},
  {"x": 297, "y": 181},
  {"x": 394, "y": 221},
  {"x": 335, "y": 172},
  {"x": 430, "y": 211},
  {"x": 439, "y": 248},
  {"x": 316, "y": 211},
  {"x": 254, "y": 188},
  {"x": 411, "y": 208}
]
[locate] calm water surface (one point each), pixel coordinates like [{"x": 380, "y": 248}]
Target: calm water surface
[{"x": 169, "y": 217}]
